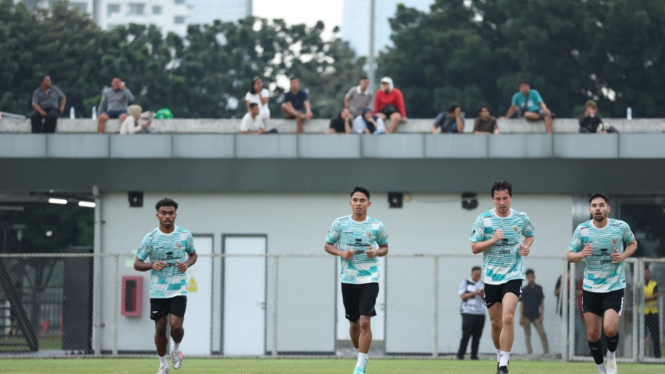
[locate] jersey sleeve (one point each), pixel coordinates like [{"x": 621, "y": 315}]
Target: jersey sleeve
[
  {"x": 144, "y": 249},
  {"x": 462, "y": 288},
  {"x": 382, "y": 236},
  {"x": 333, "y": 233},
  {"x": 628, "y": 235},
  {"x": 539, "y": 99},
  {"x": 478, "y": 230},
  {"x": 190, "y": 244},
  {"x": 528, "y": 230},
  {"x": 576, "y": 241}
]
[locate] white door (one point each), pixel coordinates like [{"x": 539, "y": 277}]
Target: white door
[
  {"x": 378, "y": 322},
  {"x": 244, "y": 295},
  {"x": 198, "y": 317}
]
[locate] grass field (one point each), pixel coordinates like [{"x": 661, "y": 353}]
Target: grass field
[{"x": 303, "y": 366}]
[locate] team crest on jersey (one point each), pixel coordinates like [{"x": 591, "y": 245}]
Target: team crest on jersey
[
  {"x": 614, "y": 241},
  {"x": 178, "y": 245},
  {"x": 516, "y": 229},
  {"x": 369, "y": 234}
]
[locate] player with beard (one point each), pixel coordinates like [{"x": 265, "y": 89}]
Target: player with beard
[
  {"x": 503, "y": 235},
  {"x": 604, "y": 243}
]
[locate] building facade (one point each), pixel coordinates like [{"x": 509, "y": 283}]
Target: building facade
[{"x": 207, "y": 11}]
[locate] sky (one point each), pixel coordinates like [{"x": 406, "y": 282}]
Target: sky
[{"x": 302, "y": 11}]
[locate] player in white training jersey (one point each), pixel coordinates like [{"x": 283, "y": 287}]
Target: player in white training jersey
[
  {"x": 358, "y": 240},
  {"x": 171, "y": 251},
  {"x": 603, "y": 243},
  {"x": 503, "y": 235}
]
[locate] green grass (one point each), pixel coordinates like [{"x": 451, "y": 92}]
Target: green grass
[{"x": 302, "y": 366}]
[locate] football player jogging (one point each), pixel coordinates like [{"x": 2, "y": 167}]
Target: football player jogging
[
  {"x": 503, "y": 235},
  {"x": 359, "y": 240},
  {"x": 171, "y": 252},
  {"x": 604, "y": 243}
]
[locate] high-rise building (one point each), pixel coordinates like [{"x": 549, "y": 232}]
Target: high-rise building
[
  {"x": 356, "y": 22},
  {"x": 207, "y": 11}
]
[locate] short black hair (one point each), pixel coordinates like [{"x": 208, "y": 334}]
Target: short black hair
[
  {"x": 293, "y": 78},
  {"x": 41, "y": 79},
  {"x": 453, "y": 107},
  {"x": 524, "y": 81},
  {"x": 252, "y": 105},
  {"x": 166, "y": 202},
  {"x": 480, "y": 108},
  {"x": 360, "y": 189},
  {"x": 530, "y": 272},
  {"x": 475, "y": 268},
  {"x": 502, "y": 185},
  {"x": 364, "y": 78},
  {"x": 601, "y": 195}
]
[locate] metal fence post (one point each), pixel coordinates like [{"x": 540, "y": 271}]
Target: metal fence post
[
  {"x": 435, "y": 351},
  {"x": 97, "y": 276},
  {"x": 116, "y": 308},
  {"x": 563, "y": 304},
  {"x": 274, "y": 308},
  {"x": 636, "y": 308},
  {"x": 572, "y": 315}
]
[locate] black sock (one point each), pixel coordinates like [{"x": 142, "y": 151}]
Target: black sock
[
  {"x": 612, "y": 343},
  {"x": 597, "y": 351}
]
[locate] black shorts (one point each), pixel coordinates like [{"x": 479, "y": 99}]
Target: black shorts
[
  {"x": 359, "y": 300},
  {"x": 173, "y": 305},
  {"x": 494, "y": 293},
  {"x": 599, "y": 302},
  {"x": 388, "y": 110}
]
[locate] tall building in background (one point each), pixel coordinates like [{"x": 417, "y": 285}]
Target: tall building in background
[
  {"x": 166, "y": 15},
  {"x": 207, "y": 11},
  {"x": 355, "y": 22}
]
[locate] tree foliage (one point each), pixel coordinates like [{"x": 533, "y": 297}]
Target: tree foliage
[
  {"x": 477, "y": 51},
  {"x": 204, "y": 74}
]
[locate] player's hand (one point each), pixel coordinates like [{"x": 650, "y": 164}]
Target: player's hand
[
  {"x": 617, "y": 257},
  {"x": 524, "y": 250},
  {"x": 371, "y": 253},
  {"x": 587, "y": 251},
  {"x": 498, "y": 235},
  {"x": 159, "y": 265},
  {"x": 182, "y": 266},
  {"x": 348, "y": 255}
]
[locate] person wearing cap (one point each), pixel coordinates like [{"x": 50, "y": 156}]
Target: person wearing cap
[
  {"x": 590, "y": 123},
  {"x": 389, "y": 105}
]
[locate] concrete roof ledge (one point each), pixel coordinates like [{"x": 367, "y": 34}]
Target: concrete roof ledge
[{"x": 319, "y": 126}]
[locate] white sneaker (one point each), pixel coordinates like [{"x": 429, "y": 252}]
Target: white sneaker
[
  {"x": 611, "y": 365},
  {"x": 163, "y": 370},
  {"x": 176, "y": 359}
]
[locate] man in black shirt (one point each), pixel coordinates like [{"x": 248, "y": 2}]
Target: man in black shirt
[
  {"x": 532, "y": 311},
  {"x": 591, "y": 123}
]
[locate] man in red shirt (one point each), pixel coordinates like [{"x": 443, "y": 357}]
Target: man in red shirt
[{"x": 389, "y": 105}]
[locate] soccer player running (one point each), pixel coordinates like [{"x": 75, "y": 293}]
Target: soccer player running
[
  {"x": 359, "y": 240},
  {"x": 503, "y": 235},
  {"x": 171, "y": 252},
  {"x": 603, "y": 243}
]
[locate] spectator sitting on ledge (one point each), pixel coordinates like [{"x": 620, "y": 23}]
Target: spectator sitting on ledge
[
  {"x": 366, "y": 123},
  {"x": 48, "y": 101},
  {"x": 529, "y": 104},
  {"x": 451, "y": 122},
  {"x": 252, "y": 122},
  {"x": 342, "y": 123},
  {"x": 114, "y": 103},
  {"x": 591, "y": 123},
  {"x": 389, "y": 104},
  {"x": 132, "y": 124},
  {"x": 485, "y": 124}
]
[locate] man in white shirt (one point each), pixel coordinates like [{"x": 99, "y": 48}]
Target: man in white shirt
[
  {"x": 471, "y": 292},
  {"x": 251, "y": 122}
]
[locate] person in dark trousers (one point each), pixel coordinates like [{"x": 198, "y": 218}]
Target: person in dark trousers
[
  {"x": 533, "y": 311},
  {"x": 590, "y": 123},
  {"x": 651, "y": 320},
  {"x": 471, "y": 292},
  {"x": 48, "y": 101}
]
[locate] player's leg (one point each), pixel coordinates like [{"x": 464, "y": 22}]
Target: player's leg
[
  {"x": 177, "y": 307},
  {"x": 510, "y": 300},
  {"x": 467, "y": 330},
  {"x": 161, "y": 341},
  {"x": 593, "y": 317},
  {"x": 366, "y": 303},
  {"x": 495, "y": 309},
  {"x": 612, "y": 308},
  {"x": 350, "y": 301}
]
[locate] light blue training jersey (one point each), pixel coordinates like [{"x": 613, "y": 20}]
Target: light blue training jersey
[
  {"x": 600, "y": 274},
  {"x": 502, "y": 262},
  {"x": 169, "y": 282},
  {"x": 348, "y": 234}
]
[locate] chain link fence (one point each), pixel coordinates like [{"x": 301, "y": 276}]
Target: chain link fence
[{"x": 260, "y": 304}]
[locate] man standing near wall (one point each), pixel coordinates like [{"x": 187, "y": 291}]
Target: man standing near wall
[
  {"x": 171, "y": 251},
  {"x": 532, "y": 311},
  {"x": 651, "y": 320},
  {"x": 359, "y": 240},
  {"x": 471, "y": 291},
  {"x": 600, "y": 242},
  {"x": 503, "y": 235}
]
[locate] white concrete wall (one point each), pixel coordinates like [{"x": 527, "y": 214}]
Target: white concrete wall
[{"x": 297, "y": 223}]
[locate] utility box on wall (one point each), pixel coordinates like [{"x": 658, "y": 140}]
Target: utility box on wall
[{"x": 132, "y": 296}]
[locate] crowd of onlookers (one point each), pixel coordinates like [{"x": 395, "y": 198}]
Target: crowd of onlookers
[{"x": 364, "y": 112}]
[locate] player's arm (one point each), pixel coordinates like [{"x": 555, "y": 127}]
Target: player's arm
[
  {"x": 332, "y": 238},
  {"x": 191, "y": 260},
  {"x": 480, "y": 247},
  {"x": 629, "y": 251},
  {"x": 577, "y": 252},
  {"x": 382, "y": 251},
  {"x": 142, "y": 254}
]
